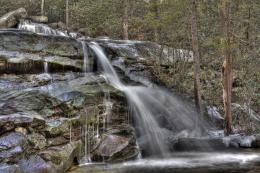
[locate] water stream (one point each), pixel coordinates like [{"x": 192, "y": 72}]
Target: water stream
[
  {"x": 86, "y": 67},
  {"x": 157, "y": 116},
  {"x": 40, "y": 28},
  {"x": 46, "y": 67},
  {"x": 157, "y": 113}
]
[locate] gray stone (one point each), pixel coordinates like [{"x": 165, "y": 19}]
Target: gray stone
[
  {"x": 12, "y": 18},
  {"x": 5, "y": 168},
  {"x": 39, "y": 19},
  {"x": 117, "y": 144},
  {"x": 12, "y": 147},
  {"x": 57, "y": 127},
  {"x": 35, "y": 164},
  {"x": 62, "y": 156},
  {"x": 37, "y": 140}
]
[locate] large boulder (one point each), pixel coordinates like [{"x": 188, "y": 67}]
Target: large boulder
[
  {"x": 118, "y": 144},
  {"x": 64, "y": 156},
  {"x": 39, "y": 19},
  {"x": 12, "y": 147},
  {"x": 5, "y": 168},
  {"x": 35, "y": 164},
  {"x": 12, "y": 18}
]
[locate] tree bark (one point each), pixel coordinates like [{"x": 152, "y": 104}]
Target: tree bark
[
  {"x": 42, "y": 7},
  {"x": 67, "y": 14},
  {"x": 195, "y": 47},
  {"x": 227, "y": 65},
  {"x": 125, "y": 20},
  {"x": 157, "y": 17}
]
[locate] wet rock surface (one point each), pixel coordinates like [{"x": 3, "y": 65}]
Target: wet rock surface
[
  {"x": 42, "y": 119},
  {"x": 29, "y": 56},
  {"x": 117, "y": 144}
]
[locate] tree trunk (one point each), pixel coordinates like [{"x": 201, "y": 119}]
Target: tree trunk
[
  {"x": 125, "y": 20},
  {"x": 227, "y": 65},
  {"x": 157, "y": 17},
  {"x": 42, "y": 7},
  {"x": 67, "y": 13},
  {"x": 195, "y": 47}
]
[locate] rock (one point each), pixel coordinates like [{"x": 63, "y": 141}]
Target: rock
[
  {"x": 37, "y": 140},
  {"x": 32, "y": 105},
  {"x": 12, "y": 140},
  {"x": 10, "y": 121},
  {"x": 199, "y": 144},
  {"x": 30, "y": 42},
  {"x": 12, "y": 147},
  {"x": 60, "y": 140},
  {"x": 57, "y": 127},
  {"x": 12, "y": 18},
  {"x": 5, "y": 168},
  {"x": 117, "y": 145},
  {"x": 243, "y": 116},
  {"x": 39, "y": 19},
  {"x": 18, "y": 62},
  {"x": 42, "y": 79},
  {"x": 58, "y": 25},
  {"x": 63, "y": 156},
  {"x": 35, "y": 164},
  {"x": 238, "y": 140},
  {"x": 256, "y": 143},
  {"x": 21, "y": 130}
]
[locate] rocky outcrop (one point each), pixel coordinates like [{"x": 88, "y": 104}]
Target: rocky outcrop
[
  {"x": 29, "y": 56},
  {"x": 12, "y": 18},
  {"x": 43, "y": 124}
]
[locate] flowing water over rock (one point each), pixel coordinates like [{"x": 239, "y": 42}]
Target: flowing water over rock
[
  {"x": 86, "y": 66},
  {"x": 40, "y": 28},
  {"x": 157, "y": 114},
  {"x": 56, "y": 109},
  {"x": 184, "y": 162}
]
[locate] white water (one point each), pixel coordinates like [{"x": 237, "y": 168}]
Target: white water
[
  {"x": 40, "y": 28},
  {"x": 46, "y": 67},
  {"x": 148, "y": 106},
  {"x": 86, "y": 67}
]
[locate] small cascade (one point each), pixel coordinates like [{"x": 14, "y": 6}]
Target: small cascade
[
  {"x": 40, "y": 28},
  {"x": 108, "y": 108},
  {"x": 86, "y": 138},
  {"x": 86, "y": 67},
  {"x": 157, "y": 113},
  {"x": 46, "y": 67}
]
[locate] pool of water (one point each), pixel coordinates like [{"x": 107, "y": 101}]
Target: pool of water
[{"x": 185, "y": 162}]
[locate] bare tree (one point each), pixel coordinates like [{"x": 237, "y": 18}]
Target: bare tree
[
  {"x": 156, "y": 9},
  {"x": 42, "y": 7},
  {"x": 67, "y": 13},
  {"x": 195, "y": 47},
  {"x": 125, "y": 19},
  {"x": 227, "y": 64}
]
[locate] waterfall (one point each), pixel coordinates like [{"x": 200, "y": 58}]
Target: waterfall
[
  {"x": 156, "y": 112},
  {"x": 86, "y": 67},
  {"x": 40, "y": 28},
  {"x": 46, "y": 67}
]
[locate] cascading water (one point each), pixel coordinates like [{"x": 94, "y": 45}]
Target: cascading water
[
  {"x": 46, "y": 67},
  {"x": 156, "y": 113},
  {"x": 40, "y": 28},
  {"x": 86, "y": 67},
  {"x": 152, "y": 108}
]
